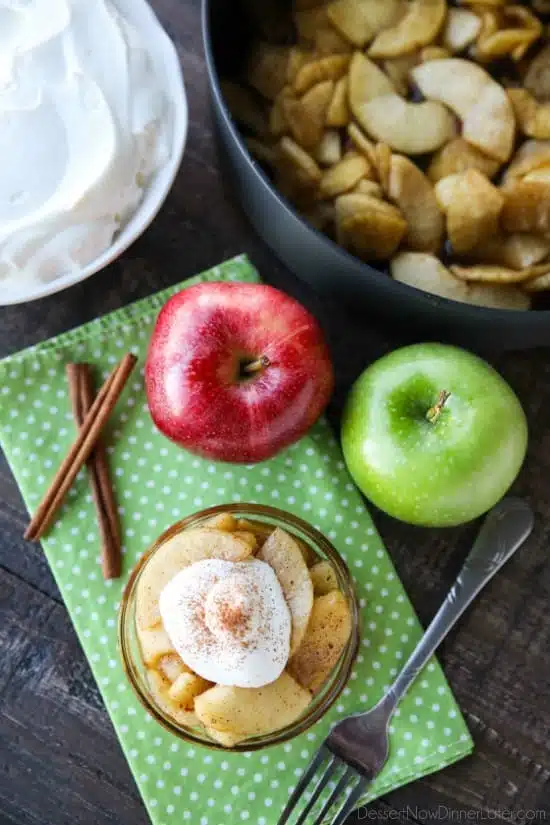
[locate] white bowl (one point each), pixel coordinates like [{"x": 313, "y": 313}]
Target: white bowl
[{"x": 168, "y": 68}]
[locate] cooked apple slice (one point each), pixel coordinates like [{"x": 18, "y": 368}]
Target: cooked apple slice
[
  {"x": 297, "y": 58},
  {"x": 323, "y": 577},
  {"x": 240, "y": 528},
  {"x": 362, "y": 143},
  {"x": 412, "y": 192},
  {"x": 258, "y": 530},
  {"x": 326, "y": 637},
  {"x": 498, "y": 275},
  {"x": 480, "y": 102},
  {"x": 408, "y": 127},
  {"x": 539, "y": 284},
  {"x": 433, "y": 53},
  {"x": 444, "y": 190},
  {"x": 248, "y": 537},
  {"x": 458, "y": 156},
  {"x": 328, "y": 40},
  {"x": 186, "y": 687},
  {"x": 541, "y": 175},
  {"x": 297, "y": 167},
  {"x": 509, "y": 33},
  {"x": 329, "y": 150},
  {"x": 154, "y": 643},
  {"x": 369, "y": 187},
  {"x": 338, "y": 110},
  {"x": 179, "y": 552},
  {"x": 159, "y": 687},
  {"x": 375, "y": 230},
  {"x": 171, "y": 666},
  {"x": 473, "y": 212},
  {"x": 461, "y": 29},
  {"x": 332, "y": 67},
  {"x": 532, "y": 155},
  {"x": 426, "y": 272},
  {"x": 537, "y": 79},
  {"x": 533, "y": 117},
  {"x": 283, "y": 554},
  {"x": 228, "y": 740},
  {"x": 527, "y": 207},
  {"x": 516, "y": 251},
  {"x": 231, "y": 714},
  {"x": 222, "y": 521},
  {"x": 306, "y": 116},
  {"x": 383, "y": 155},
  {"x": 245, "y": 524},
  {"x": 344, "y": 175},
  {"x": 419, "y": 27},
  {"x": 360, "y": 21}
]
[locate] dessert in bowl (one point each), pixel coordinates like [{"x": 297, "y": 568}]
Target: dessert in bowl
[
  {"x": 231, "y": 32},
  {"x": 239, "y": 626}
]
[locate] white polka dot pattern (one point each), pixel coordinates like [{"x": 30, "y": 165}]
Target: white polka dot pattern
[{"x": 156, "y": 484}]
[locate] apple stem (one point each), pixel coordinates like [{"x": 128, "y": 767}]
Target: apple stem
[
  {"x": 256, "y": 366},
  {"x": 434, "y": 412}
]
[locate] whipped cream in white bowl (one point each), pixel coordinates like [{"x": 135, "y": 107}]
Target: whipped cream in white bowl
[{"x": 93, "y": 123}]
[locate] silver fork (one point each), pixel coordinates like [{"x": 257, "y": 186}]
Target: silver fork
[{"x": 357, "y": 747}]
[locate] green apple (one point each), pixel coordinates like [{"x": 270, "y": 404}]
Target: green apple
[{"x": 433, "y": 435}]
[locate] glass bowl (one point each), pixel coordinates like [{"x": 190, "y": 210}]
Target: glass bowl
[{"x": 322, "y": 700}]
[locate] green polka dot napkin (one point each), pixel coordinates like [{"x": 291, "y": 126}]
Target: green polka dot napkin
[{"x": 156, "y": 484}]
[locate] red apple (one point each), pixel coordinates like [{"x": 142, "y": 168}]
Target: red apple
[{"x": 236, "y": 372}]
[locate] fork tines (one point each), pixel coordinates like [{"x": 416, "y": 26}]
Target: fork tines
[{"x": 330, "y": 764}]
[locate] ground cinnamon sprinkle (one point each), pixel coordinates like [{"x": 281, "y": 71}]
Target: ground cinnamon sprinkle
[
  {"x": 228, "y": 621},
  {"x": 233, "y": 618}
]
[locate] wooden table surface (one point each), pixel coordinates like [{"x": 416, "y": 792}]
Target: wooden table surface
[{"x": 60, "y": 763}]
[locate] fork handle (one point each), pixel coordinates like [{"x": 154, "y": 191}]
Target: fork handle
[{"x": 505, "y": 528}]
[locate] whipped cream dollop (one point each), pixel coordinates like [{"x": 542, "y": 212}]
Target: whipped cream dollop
[
  {"x": 84, "y": 124},
  {"x": 228, "y": 621}
]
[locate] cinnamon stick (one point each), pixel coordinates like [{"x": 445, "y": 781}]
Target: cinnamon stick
[
  {"x": 82, "y": 397},
  {"x": 83, "y": 445},
  {"x": 87, "y": 395}
]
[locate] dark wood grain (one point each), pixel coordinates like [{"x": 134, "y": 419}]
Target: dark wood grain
[{"x": 60, "y": 762}]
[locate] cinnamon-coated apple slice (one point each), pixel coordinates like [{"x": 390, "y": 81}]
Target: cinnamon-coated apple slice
[
  {"x": 178, "y": 552},
  {"x": 326, "y": 637},
  {"x": 186, "y": 687},
  {"x": 240, "y": 528},
  {"x": 231, "y": 714},
  {"x": 171, "y": 666},
  {"x": 323, "y": 577},
  {"x": 154, "y": 643},
  {"x": 222, "y": 521},
  {"x": 159, "y": 687},
  {"x": 283, "y": 554},
  {"x": 248, "y": 537}
]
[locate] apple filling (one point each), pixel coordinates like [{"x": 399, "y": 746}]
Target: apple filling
[{"x": 239, "y": 625}]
